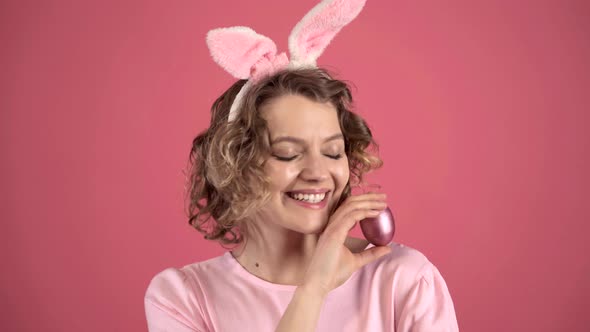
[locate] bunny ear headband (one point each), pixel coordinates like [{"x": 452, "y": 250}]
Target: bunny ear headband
[{"x": 246, "y": 54}]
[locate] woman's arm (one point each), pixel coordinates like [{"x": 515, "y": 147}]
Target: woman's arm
[
  {"x": 332, "y": 263},
  {"x": 303, "y": 311}
]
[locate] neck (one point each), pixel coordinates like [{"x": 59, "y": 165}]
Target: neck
[{"x": 279, "y": 256}]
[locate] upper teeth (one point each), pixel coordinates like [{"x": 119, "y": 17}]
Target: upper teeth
[{"x": 313, "y": 198}]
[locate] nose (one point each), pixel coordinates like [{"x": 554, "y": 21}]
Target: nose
[{"x": 314, "y": 168}]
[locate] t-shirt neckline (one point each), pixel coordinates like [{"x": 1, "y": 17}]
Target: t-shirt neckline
[{"x": 236, "y": 267}]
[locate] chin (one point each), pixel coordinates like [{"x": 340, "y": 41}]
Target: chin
[{"x": 311, "y": 227}]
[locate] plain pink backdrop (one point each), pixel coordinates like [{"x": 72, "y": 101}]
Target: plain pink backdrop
[{"x": 480, "y": 109}]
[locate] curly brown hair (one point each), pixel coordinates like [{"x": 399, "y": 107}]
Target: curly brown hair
[{"x": 226, "y": 183}]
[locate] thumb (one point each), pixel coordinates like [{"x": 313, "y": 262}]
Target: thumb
[{"x": 369, "y": 255}]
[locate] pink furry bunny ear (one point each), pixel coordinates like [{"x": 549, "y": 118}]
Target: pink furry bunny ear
[
  {"x": 244, "y": 53},
  {"x": 247, "y": 55},
  {"x": 318, "y": 27}
]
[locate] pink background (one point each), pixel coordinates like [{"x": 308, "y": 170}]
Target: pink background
[{"x": 480, "y": 108}]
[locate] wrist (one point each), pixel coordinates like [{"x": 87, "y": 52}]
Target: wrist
[{"x": 312, "y": 291}]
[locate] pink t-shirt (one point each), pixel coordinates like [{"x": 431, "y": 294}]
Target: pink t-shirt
[{"x": 401, "y": 291}]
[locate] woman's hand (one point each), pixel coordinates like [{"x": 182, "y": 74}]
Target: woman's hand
[{"x": 333, "y": 263}]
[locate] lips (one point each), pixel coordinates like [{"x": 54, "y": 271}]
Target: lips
[
  {"x": 310, "y": 191},
  {"x": 312, "y": 195},
  {"x": 311, "y": 198},
  {"x": 313, "y": 203}
]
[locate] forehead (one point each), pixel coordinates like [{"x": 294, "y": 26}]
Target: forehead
[{"x": 299, "y": 116}]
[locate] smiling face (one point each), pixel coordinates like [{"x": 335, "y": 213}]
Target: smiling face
[{"x": 308, "y": 167}]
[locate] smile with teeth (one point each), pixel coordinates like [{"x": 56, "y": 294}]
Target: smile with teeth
[{"x": 311, "y": 198}]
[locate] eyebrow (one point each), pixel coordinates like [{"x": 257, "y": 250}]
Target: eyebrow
[{"x": 301, "y": 141}]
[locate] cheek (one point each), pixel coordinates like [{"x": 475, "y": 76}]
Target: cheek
[
  {"x": 342, "y": 173},
  {"x": 280, "y": 174}
]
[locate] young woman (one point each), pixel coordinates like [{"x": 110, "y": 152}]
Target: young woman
[
  {"x": 281, "y": 174},
  {"x": 272, "y": 175}
]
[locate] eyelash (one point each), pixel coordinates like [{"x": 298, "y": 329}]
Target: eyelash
[{"x": 336, "y": 157}]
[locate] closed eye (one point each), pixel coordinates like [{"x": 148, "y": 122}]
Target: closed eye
[
  {"x": 335, "y": 157},
  {"x": 338, "y": 156},
  {"x": 285, "y": 158}
]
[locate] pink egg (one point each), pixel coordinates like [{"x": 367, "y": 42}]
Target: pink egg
[{"x": 379, "y": 230}]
